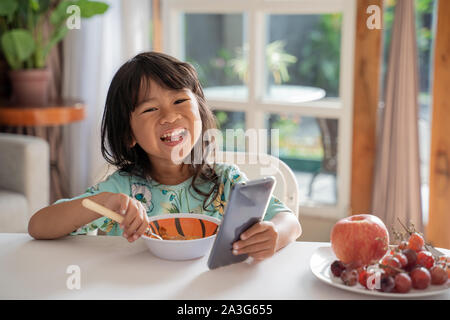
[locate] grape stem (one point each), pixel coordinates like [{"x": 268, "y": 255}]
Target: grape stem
[
  {"x": 427, "y": 245},
  {"x": 404, "y": 227},
  {"x": 391, "y": 267}
]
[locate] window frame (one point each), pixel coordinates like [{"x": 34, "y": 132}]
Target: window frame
[{"x": 255, "y": 108}]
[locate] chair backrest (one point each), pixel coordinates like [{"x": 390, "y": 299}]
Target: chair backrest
[
  {"x": 259, "y": 165},
  {"x": 254, "y": 166}
]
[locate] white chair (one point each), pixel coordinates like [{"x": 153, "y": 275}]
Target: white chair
[
  {"x": 254, "y": 166},
  {"x": 259, "y": 165}
]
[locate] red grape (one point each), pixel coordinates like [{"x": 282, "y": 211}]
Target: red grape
[
  {"x": 402, "y": 282},
  {"x": 390, "y": 261},
  {"x": 350, "y": 277},
  {"x": 425, "y": 259},
  {"x": 387, "y": 283},
  {"x": 411, "y": 255},
  {"x": 416, "y": 242},
  {"x": 420, "y": 277},
  {"x": 385, "y": 259},
  {"x": 403, "y": 245},
  {"x": 362, "y": 278},
  {"x": 438, "y": 275},
  {"x": 401, "y": 258},
  {"x": 337, "y": 267}
]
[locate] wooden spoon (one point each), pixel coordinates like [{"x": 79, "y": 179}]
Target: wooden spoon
[{"x": 94, "y": 206}]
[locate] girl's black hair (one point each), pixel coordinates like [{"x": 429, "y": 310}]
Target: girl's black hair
[{"x": 122, "y": 100}]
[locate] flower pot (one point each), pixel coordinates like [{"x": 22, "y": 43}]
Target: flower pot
[{"x": 30, "y": 87}]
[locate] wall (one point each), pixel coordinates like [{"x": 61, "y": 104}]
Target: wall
[{"x": 316, "y": 229}]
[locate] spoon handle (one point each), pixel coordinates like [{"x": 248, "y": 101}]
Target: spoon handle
[{"x": 94, "y": 206}]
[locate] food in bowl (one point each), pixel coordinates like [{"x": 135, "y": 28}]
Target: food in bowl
[
  {"x": 185, "y": 235},
  {"x": 165, "y": 236}
]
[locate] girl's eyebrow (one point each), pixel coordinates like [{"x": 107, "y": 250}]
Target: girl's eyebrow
[
  {"x": 140, "y": 103},
  {"x": 145, "y": 101},
  {"x": 150, "y": 99}
]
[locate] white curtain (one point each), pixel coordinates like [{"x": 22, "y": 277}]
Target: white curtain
[
  {"x": 92, "y": 55},
  {"x": 397, "y": 170}
]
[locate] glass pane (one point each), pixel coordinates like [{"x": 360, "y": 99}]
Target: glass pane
[
  {"x": 303, "y": 57},
  {"x": 214, "y": 45},
  {"x": 230, "y": 120},
  {"x": 425, "y": 32},
  {"x": 309, "y": 147}
]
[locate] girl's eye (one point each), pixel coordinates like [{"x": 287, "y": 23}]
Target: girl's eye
[
  {"x": 150, "y": 109},
  {"x": 181, "y": 101}
]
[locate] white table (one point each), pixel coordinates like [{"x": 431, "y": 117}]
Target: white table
[{"x": 112, "y": 268}]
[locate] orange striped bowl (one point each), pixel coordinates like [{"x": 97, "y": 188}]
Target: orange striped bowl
[{"x": 200, "y": 228}]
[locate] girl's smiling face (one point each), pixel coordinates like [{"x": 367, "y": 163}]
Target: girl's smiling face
[{"x": 164, "y": 120}]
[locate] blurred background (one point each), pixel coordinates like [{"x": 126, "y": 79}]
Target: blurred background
[{"x": 314, "y": 70}]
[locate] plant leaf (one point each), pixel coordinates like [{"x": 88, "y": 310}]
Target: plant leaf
[
  {"x": 87, "y": 10},
  {"x": 59, "y": 14},
  {"x": 91, "y": 8},
  {"x": 57, "y": 36},
  {"x": 34, "y": 5},
  {"x": 18, "y": 45},
  {"x": 44, "y": 5},
  {"x": 8, "y": 7}
]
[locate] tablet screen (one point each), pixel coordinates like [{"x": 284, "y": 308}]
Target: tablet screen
[{"x": 246, "y": 206}]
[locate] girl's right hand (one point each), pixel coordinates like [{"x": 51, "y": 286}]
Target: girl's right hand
[{"x": 135, "y": 220}]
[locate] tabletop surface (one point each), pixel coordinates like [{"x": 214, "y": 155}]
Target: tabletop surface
[{"x": 112, "y": 268}]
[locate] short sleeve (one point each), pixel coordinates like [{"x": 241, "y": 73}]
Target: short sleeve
[
  {"x": 232, "y": 175},
  {"x": 117, "y": 183},
  {"x": 275, "y": 206}
]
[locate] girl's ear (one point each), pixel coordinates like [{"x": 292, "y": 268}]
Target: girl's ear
[{"x": 133, "y": 142}]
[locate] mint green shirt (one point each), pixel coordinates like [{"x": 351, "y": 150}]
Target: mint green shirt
[{"x": 166, "y": 199}]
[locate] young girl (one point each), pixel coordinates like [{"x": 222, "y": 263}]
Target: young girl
[{"x": 154, "y": 104}]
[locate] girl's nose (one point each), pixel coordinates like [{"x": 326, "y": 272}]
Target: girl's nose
[{"x": 169, "y": 117}]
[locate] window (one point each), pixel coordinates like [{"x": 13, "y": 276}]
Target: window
[
  {"x": 278, "y": 64},
  {"x": 211, "y": 43},
  {"x": 303, "y": 64},
  {"x": 230, "y": 120}
]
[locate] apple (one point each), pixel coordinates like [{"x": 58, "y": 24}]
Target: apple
[{"x": 360, "y": 239}]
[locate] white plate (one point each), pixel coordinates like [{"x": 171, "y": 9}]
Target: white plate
[{"x": 322, "y": 259}]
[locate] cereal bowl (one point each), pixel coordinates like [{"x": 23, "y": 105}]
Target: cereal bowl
[{"x": 185, "y": 235}]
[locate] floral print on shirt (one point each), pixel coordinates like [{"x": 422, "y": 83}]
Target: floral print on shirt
[
  {"x": 142, "y": 193},
  {"x": 164, "y": 199}
]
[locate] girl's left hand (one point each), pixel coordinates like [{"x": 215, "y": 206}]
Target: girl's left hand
[{"x": 259, "y": 241}]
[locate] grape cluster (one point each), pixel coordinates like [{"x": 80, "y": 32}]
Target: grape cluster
[{"x": 407, "y": 266}]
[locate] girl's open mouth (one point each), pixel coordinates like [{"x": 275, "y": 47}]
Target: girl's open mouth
[{"x": 174, "y": 137}]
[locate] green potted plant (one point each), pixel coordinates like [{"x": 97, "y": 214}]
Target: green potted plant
[
  {"x": 24, "y": 43},
  {"x": 277, "y": 59}
]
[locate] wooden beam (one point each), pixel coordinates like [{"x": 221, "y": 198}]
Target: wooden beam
[
  {"x": 366, "y": 96},
  {"x": 157, "y": 26},
  {"x": 439, "y": 212}
]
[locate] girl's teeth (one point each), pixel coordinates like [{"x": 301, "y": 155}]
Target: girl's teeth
[
  {"x": 174, "y": 133},
  {"x": 173, "y": 136}
]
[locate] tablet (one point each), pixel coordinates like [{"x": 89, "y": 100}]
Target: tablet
[{"x": 246, "y": 206}]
